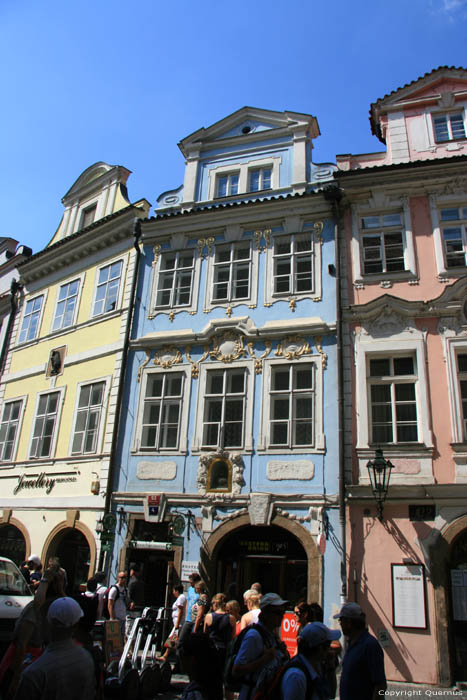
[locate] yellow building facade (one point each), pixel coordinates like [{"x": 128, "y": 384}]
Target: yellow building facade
[{"x": 59, "y": 390}]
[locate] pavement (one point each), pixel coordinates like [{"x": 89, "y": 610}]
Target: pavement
[{"x": 395, "y": 691}]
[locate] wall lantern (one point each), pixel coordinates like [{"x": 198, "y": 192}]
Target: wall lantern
[{"x": 379, "y": 470}]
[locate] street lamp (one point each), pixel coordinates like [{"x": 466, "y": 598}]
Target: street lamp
[{"x": 379, "y": 470}]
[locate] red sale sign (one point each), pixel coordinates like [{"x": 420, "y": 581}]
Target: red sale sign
[{"x": 289, "y": 632}]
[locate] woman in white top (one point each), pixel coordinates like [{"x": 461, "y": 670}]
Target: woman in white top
[
  {"x": 252, "y": 602},
  {"x": 178, "y": 618}
]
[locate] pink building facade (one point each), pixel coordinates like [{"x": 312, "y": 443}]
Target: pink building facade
[{"x": 403, "y": 239}]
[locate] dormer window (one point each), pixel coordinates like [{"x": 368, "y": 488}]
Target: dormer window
[
  {"x": 227, "y": 184},
  {"x": 88, "y": 216},
  {"x": 448, "y": 127},
  {"x": 260, "y": 179}
]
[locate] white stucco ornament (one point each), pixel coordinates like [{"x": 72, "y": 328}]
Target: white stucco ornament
[
  {"x": 156, "y": 470},
  {"x": 260, "y": 508},
  {"x": 300, "y": 469},
  {"x": 236, "y": 463}
]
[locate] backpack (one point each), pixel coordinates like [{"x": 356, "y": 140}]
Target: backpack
[
  {"x": 269, "y": 688},
  {"x": 105, "y": 609},
  {"x": 231, "y": 682}
]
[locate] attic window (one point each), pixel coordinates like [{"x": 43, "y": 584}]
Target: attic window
[
  {"x": 246, "y": 129},
  {"x": 88, "y": 216},
  {"x": 448, "y": 127}
]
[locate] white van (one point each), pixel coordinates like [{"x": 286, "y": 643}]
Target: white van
[{"x": 15, "y": 594}]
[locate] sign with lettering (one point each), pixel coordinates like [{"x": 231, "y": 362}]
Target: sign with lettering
[
  {"x": 188, "y": 568},
  {"x": 44, "y": 480},
  {"x": 408, "y": 595},
  {"x": 289, "y": 629}
]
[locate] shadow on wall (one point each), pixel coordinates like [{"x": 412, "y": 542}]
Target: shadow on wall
[{"x": 398, "y": 652}]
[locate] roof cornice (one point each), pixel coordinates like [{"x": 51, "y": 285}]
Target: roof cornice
[{"x": 99, "y": 235}]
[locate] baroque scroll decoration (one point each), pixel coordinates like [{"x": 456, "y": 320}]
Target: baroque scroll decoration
[
  {"x": 143, "y": 365},
  {"x": 195, "y": 365},
  {"x": 319, "y": 347},
  {"x": 237, "y": 471},
  {"x": 205, "y": 243},
  {"x": 259, "y": 360},
  {"x": 167, "y": 357},
  {"x": 228, "y": 347},
  {"x": 293, "y": 347},
  {"x": 262, "y": 235}
]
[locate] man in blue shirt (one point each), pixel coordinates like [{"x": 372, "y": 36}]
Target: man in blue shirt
[
  {"x": 362, "y": 676},
  {"x": 191, "y": 598},
  {"x": 260, "y": 648},
  {"x": 313, "y": 647}
]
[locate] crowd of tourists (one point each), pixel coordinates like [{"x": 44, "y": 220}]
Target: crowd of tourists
[{"x": 228, "y": 648}]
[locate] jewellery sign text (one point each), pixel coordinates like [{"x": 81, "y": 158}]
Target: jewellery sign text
[{"x": 42, "y": 481}]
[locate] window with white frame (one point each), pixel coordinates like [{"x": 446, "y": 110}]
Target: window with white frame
[
  {"x": 162, "y": 404},
  {"x": 462, "y": 378},
  {"x": 88, "y": 418},
  {"x": 453, "y": 221},
  {"x": 392, "y": 399},
  {"x": 45, "y": 425},
  {"x": 292, "y": 400},
  {"x": 227, "y": 184},
  {"x": 175, "y": 279},
  {"x": 231, "y": 272},
  {"x": 259, "y": 179},
  {"x": 293, "y": 264},
  {"x": 9, "y": 428},
  {"x": 66, "y": 305},
  {"x": 382, "y": 243},
  {"x": 224, "y": 408},
  {"x": 108, "y": 286},
  {"x": 448, "y": 127},
  {"x": 31, "y": 318}
]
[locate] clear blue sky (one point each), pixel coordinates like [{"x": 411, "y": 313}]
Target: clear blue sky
[{"x": 124, "y": 82}]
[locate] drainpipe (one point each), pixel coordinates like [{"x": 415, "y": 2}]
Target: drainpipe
[
  {"x": 126, "y": 343},
  {"x": 334, "y": 195},
  {"x": 15, "y": 287}
]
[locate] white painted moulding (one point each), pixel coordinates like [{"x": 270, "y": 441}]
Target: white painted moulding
[
  {"x": 302, "y": 469},
  {"x": 156, "y": 470}
]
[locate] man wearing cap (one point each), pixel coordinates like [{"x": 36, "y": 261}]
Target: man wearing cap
[
  {"x": 64, "y": 670},
  {"x": 260, "y": 646},
  {"x": 303, "y": 678},
  {"x": 362, "y": 676},
  {"x": 135, "y": 597}
]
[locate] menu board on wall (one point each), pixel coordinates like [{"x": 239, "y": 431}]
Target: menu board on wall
[
  {"x": 459, "y": 594},
  {"x": 408, "y": 595}
]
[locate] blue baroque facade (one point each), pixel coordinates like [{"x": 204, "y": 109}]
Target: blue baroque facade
[{"x": 228, "y": 449}]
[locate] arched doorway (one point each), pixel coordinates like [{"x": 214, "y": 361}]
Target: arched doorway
[
  {"x": 72, "y": 548},
  {"x": 282, "y": 557},
  {"x": 12, "y": 543},
  {"x": 458, "y": 609},
  {"x": 267, "y": 554}
]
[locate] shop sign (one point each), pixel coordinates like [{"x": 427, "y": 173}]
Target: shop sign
[
  {"x": 188, "y": 568},
  {"x": 289, "y": 632},
  {"x": 141, "y": 544},
  {"x": 43, "y": 481},
  {"x": 263, "y": 547},
  {"x": 408, "y": 595}
]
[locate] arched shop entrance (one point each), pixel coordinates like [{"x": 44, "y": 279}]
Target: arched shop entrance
[
  {"x": 71, "y": 546},
  {"x": 458, "y": 610},
  {"x": 283, "y": 559},
  {"x": 12, "y": 543}
]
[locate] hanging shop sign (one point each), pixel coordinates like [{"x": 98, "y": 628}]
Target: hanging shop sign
[
  {"x": 44, "y": 480},
  {"x": 141, "y": 544}
]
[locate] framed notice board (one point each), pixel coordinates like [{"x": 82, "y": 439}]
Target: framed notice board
[{"x": 408, "y": 596}]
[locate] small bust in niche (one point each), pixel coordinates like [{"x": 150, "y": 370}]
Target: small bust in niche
[
  {"x": 219, "y": 475},
  {"x": 55, "y": 362}
]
